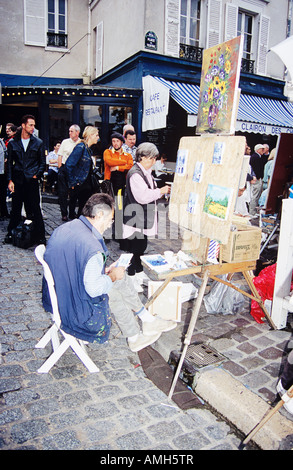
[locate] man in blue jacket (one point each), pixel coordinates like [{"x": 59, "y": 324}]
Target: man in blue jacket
[
  {"x": 26, "y": 163},
  {"x": 87, "y": 291}
]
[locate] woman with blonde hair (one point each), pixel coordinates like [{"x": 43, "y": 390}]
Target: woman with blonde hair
[{"x": 79, "y": 166}]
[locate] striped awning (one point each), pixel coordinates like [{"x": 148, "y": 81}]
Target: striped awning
[{"x": 254, "y": 109}]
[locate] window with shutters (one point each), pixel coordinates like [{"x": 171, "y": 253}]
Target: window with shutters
[
  {"x": 57, "y": 23},
  {"x": 189, "y": 22},
  {"x": 45, "y": 23},
  {"x": 244, "y": 27}
]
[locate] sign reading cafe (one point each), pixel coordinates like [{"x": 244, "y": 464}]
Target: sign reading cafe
[{"x": 155, "y": 104}]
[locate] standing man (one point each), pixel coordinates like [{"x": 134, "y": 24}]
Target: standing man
[
  {"x": 257, "y": 162},
  {"x": 66, "y": 147},
  {"x": 129, "y": 144},
  {"x": 117, "y": 163},
  {"x": 26, "y": 163}
]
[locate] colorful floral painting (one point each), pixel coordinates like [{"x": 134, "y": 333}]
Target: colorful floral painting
[{"x": 218, "y": 97}]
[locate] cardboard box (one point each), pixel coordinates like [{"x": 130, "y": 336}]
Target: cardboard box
[{"x": 243, "y": 244}]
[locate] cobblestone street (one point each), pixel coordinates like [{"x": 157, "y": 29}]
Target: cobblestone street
[{"x": 118, "y": 408}]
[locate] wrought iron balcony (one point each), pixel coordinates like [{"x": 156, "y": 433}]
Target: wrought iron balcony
[
  {"x": 247, "y": 65},
  {"x": 192, "y": 53},
  {"x": 56, "y": 40}
]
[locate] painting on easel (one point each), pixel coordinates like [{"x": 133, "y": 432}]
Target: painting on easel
[{"x": 218, "y": 99}]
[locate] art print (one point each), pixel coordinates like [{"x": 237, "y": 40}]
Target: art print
[
  {"x": 192, "y": 202},
  {"x": 217, "y": 201},
  {"x": 218, "y": 98},
  {"x": 181, "y": 163},
  {"x": 218, "y": 153},
  {"x": 198, "y": 171}
]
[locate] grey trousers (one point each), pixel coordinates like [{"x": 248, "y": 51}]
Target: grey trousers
[
  {"x": 124, "y": 303},
  {"x": 255, "y": 193}
]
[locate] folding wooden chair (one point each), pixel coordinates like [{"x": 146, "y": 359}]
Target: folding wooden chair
[{"x": 52, "y": 334}]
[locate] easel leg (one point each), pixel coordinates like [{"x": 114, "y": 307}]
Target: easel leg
[
  {"x": 157, "y": 292},
  {"x": 189, "y": 333}
]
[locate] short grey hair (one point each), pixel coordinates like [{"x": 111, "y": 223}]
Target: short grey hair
[
  {"x": 75, "y": 127},
  {"x": 146, "y": 149},
  {"x": 98, "y": 202}
]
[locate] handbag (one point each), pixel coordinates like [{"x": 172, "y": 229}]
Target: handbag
[
  {"x": 107, "y": 188},
  {"x": 95, "y": 178}
]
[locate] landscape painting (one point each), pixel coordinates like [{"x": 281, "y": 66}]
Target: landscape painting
[
  {"x": 218, "y": 98},
  {"x": 217, "y": 201}
]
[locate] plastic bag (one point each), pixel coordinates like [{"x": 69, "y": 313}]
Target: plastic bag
[
  {"x": 223, "y": 299},
  {"x": 264, "y": 284}
]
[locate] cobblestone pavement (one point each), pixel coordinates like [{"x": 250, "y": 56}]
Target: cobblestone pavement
[{"x": 117, "y": 408}]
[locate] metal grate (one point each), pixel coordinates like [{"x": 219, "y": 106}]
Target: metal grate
[{"x": 202, "y": 355}]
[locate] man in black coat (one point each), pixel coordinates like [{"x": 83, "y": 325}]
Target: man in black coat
[
  {"x": 26, "y": 163},
  {"x": 257, "y": 162}
]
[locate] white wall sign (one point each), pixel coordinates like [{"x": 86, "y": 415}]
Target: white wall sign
[{"x": 155, "y": 104}]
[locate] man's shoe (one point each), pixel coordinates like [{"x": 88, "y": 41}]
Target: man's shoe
[
  {"x": 142, "y": 341},
  {"x": 159, "y": 325},
  {"x": 142, "y": 278},
  {"x": 8, "y": 239},
  {"x": 136, "y": 284}
]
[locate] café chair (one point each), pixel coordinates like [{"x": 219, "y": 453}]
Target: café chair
[{"x": 52, "y": 334}]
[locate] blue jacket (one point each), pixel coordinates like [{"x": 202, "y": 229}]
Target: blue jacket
[
  {"x": 78, "y": 165},
  {"x": 69, "y": 249}
]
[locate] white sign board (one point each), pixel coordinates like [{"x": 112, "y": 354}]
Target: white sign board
[{"x": 155, "y": 104}]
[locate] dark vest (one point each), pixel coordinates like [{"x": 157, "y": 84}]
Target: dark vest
[
  {"x": 69, "y": 249},
  {"x": 141, "y": 216}
]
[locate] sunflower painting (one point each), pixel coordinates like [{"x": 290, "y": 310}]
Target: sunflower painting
[{"x": 218, "y": 98}]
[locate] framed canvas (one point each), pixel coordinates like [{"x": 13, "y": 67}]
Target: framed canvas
[
  {"x": 168, "y": 303},
  {"x": 219, "y": 95}
]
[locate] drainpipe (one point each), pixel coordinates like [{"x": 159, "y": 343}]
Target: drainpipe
[{"x": 89, "y": 41}]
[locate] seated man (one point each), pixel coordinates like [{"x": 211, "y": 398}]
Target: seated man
[{"x": 87, "y": 291}]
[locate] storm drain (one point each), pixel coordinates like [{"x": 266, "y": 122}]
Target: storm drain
[{"x": 202, "y": 355}]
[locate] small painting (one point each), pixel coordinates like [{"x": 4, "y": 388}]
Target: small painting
[
  {"x": 181, "y": 162},
  {"x": 192, "y": 201},
  {"x": 218, "y": 201},
  {"x": 218, "y": 153},
  {"x": 198, "y": 171}
]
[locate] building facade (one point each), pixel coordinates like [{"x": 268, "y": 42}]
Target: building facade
[{"x": 83, "y": 61}]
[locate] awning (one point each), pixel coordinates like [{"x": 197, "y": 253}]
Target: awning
[{"x": 260, "y": 115}]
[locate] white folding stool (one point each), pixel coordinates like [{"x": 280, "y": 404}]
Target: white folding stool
[{"x": 52, "y": 334}]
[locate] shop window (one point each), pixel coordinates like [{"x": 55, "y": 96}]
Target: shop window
[
  {"x": 60, "y": 119},
  {"x": 118, "y": 117}
]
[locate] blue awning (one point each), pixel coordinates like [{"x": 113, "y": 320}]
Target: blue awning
[{"x": 252, "y": 108}]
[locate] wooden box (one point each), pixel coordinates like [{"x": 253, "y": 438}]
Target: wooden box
[{"x": 243, "y": 244}]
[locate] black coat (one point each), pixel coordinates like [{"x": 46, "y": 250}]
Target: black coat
[{"x": 23, "y": 165}]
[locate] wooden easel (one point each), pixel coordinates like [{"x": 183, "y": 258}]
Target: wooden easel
[{"x": 209, "y": 271}]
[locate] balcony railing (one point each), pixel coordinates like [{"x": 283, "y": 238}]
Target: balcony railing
[
  {"x": 194, "y": 54},
  {"x": 247, "y": 66},
  {"x": 56, "y": 40}
]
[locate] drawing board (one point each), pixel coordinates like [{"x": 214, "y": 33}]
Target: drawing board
[{"x": 206, "y": 182}]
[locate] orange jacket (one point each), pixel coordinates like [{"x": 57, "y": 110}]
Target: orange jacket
[{"x": 111, "y": 158}]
